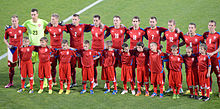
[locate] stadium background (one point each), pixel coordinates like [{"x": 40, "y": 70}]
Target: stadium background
[{"x": 183, "y": 11}]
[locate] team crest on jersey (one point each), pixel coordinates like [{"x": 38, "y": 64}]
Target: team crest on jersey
[
  {"x": 28, "y": 49},
  {"x": 192, "y": 59},
  {"x": 80, "y": 29},
  {"x": 121, "y": 31},
  {"x": 59, "y": 30},
  {"x": 214, "y": 37},
  {"x": 166, "y": 35},
  {"x": 71, "y": 28},
  {"x": 112, "y": 54},
  {"x": 196, "y": 40},
  {"x": 157, "y": 32},
  {"x": 45, "y": 49},
  {"x": 186, "y": 39},
  {"x": 49, "y": 29},
  {"x": 10, "y": 32},
  {"x": 19, "y": 31},
  {"x": 139, "y": 33},
  {"x": 175, "y": 35},
  {"x": 39, "y": 25},
  {"x": 90, "y": 53},
  {"x": 178, "y": 59},
  {"x": 204, "y": 59},
  {"x": 112, "y": 31},
  {"x": 92, "y": 30},
  {"x": 67, "y": 52}
]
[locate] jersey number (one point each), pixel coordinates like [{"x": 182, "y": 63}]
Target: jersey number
[
  {"x": 171, "y": 39},
  {"x": 116, "y": 36},
  {"x": 134, "y": 37}
]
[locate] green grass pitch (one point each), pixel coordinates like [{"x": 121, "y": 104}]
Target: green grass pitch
[{"x": 183, "y": 11}]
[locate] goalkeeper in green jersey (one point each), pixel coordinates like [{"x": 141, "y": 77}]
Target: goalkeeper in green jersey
[{"x": 35, "y": 30}]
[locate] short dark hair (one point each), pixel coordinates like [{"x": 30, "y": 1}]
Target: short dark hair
[
  {"x": 203, "y": 45},
  {"x": 86, "y": 42},
  {"x": 140, "y": 44},
  {"x": 14, "y": 16},
  {"x": 44, "y": 38},
  {"x": 34, "y": 9},
  {"x": 26, "y": 38},
  {"x": 117, "y": 17},
  {"x": 212, "y": 21},
  {"x": 172, "y": 21},
  {"x": 65, "y": 41},
  {"x": 75, "y": 15},
  {"x": 190, "y": 48},
  {"x": 97, "y": 16},
  {"x": 136, "y": 17},
  {"x": 153, "y": 17},
  {"x": 193, "y": 24},
  {"x": 174, "y": 47},
  {"x": 109, "y": 42},
  {"x": 124, "y": 45}
]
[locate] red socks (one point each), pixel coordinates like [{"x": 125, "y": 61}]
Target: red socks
[
  {"x": 125, "y": 85},
  {"x": 41, "y": 83},
  {"x": 22, "y": 83},
  {"x": 61, "y": 84},
  {"x": 50, "y": 84},
  {"x": 161, "y": 89},
  {"x": 91, "y": 85},
  {"x": 115, "y": 85},
  {"x": 11, "y": 74}
]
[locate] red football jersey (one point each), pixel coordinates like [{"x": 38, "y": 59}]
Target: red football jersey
[
  {"x": 142, "y": 58},
  {"x": 172, "y": 38},
  {"x": 212, "y": 41},
  {"x": 56, "y": 35},
  {"x": 98, "y": 37},
  {"x": 204, "y": 62},
  {"x": 15, "y": 35},
  {"x": 135, "y": 37},
  {"x": 117, "y": 36},
  {"x": 87, "y": 57},
  {"x": 25, "y": 53},
  {"x": 154, "y": 35},
  {"x": 43, "y": 53},
  {"x": 127, "y": 58},
  {"x": 193, "y": 42},
  {"x": 175, "y": 63},
  {"x": 77, "y": 34},
  {"x": 156, "y": 62},
  {"x": 108, "y": 58},
  {"x": 190, "y": 61},
  {"x": 66, "y": 55}
]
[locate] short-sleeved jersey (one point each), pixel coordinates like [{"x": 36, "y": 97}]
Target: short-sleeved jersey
[
  {"x": 15, "y": 35},
  {"x": 77, "y": 34},
  {"x": 172, "y": 38},
  {"x": 142, "y": 58},
  {"x": 43, "y": 53},
  {"x": 212, "y": 41},
  {"x": 25, "y": 53},
  {"x": 108, "y": 58},
  {"x": 190, "y": 61},
  {"x": 117, "y": 36},
  {"x": 135, "y": 36},
  {"x": 127, "y": 57},
  {"x": 56, "y": 35},
  {"x": 175, "y": 62},
  {"x": 87, "y": 57},
  {"x": 65, "y": 55},
  {"x": 98, "y": 37},
  {"x": 156, "y": 62},
  {"x": 154, "y": 35},
  {"x": 193, "y": 42},
  {"x": 35, "y": 30},
  {"x": 204, "y": 62}
]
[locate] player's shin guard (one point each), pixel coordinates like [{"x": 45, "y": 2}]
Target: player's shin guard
[
  {"x": 203, "y": 91},
  {"x": 54, "y": 72},
  {"x": 125, "y": 85},
  {"x": 11, "y": 74},
  {"x": 174, "y": 90},
  {"x": 73, "y": 75},
  {"x": 208, "y": 92},
  {"x": 41, "y": 83},
  {"x": 147, "y": 86},
  {"x": 95, "y": 75},
  {"x": 61, "y": 84},
  {"x": 50, "y": 83},
  {"x": 196, "y": 90},
  {"x": 31, "y": 82},
  {"x": 161, "y": 89},
  {"x": 108, "y": 85}
]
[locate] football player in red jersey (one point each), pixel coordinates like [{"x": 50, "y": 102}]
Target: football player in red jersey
[
  {"x": 76, "y": 31},
  {"x": 213, "y": 41},
  {"x": 56, "y": 36},
  {"x": 204, "y": 69},
  {"x": 15, "y": 35}
]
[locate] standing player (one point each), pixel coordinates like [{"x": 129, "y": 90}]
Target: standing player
[
  {"x": 15, "y": 35},
  {"x": 25, "y": 53},
  {"x": 56, "y": 36},
  {"x": 35, "y": 30},
  {"x": 65, "y": 55},
  {"x": 98, "y": 32},
  {"x": 76, "y": 31},
  {"x": 213, "y": 41}
]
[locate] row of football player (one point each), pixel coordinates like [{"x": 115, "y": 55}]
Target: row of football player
[{"x": 76, "y": 30}]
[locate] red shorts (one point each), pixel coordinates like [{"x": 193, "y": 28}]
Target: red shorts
[
  {"x": 26, "y": 69},
  {"x": 192, "y": 77},
  {"x": 142, "y": 74},
  {"x": 204, "y": 81},
  {"x": 126, "y": 73},
  {"x": 157, "y": 78},
  {"x": 88, "y": 73},
  {"x": 44, "y": 70},
  {"x": 10, "y": 64},
  {"x": 175, "y": 79},
  {"x": 108, "y": 73},
  {"x": 65, "y": 71}
]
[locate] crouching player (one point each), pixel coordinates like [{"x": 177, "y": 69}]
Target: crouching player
[
  {"x": 65, "y": 54},
  {"x": 204, "y": 69},
  {"x": 108, "y": 62},
  {"x": 87, "y": 58},
  {"x": 142, "y": 57},
  {"x": 44, "y": 68},
  {"x": 126, "y": 69},
  {"x": 190, "y": 61},
  {"x": 25, "y": 54},
  {"x": 156, "y": 67},
  {"x": 175, "y": 76}
]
